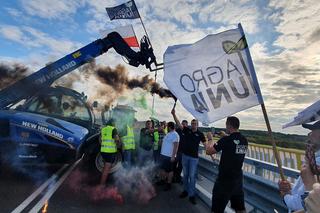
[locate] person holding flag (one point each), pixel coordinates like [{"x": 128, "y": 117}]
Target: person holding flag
[
  {"x": 292, "y": 195},
  {"x": 190, "y": 156},
  {"x": 229, "y": 184}
]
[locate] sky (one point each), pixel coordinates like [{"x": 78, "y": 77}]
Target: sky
[{"x": 283, "y": 37}]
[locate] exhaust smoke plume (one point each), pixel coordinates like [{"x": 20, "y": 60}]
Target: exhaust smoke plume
[
  {"x": 114, "y": 82},
  {"x": 119, "y": 79},
  {"x": 11, "y": 73}
]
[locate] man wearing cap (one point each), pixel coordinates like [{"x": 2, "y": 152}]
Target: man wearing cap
[{"x": 292, "y": 196}]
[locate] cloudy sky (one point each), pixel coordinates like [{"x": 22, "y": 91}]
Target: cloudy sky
[{"x": 283, "y": 36}]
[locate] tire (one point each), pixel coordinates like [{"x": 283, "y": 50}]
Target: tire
[
  {"x": 99, "y": 163},
  {"x": 94, "y": 162}
]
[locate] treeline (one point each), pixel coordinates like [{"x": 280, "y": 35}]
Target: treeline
[{"x": 261, "y": 137}]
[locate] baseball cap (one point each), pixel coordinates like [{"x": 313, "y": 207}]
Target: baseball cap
[{"x": 313, "y": 126}]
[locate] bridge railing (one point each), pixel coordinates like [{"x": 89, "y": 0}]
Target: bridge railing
[
  {"x": 260, "y": 191},
  {"x": 291, "y": 158}
]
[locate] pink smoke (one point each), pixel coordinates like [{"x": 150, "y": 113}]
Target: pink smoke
[
  {"x": 133, "y": 183},
  {"x": 99, "y": 193},
  {"x": 77, "y": 183}
]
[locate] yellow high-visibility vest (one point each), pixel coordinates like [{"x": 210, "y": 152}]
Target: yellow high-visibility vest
[
  {"x": 108, "y": 145},
  {"x": 156, "y": 140},
  {"x": 128, "y": 140}
]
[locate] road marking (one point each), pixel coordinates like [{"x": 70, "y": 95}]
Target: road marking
[
  {"x": 35, "y": 194},
  {"x": 52, "y": 189}
]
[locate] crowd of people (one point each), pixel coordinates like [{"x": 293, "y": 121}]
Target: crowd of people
[{"x": 173, "y": 150}]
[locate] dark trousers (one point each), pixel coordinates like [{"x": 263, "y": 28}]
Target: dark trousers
[
  {"x": 225, "y": 190},
  {"x": 156, "y": 156},
  {"x": 178, "y": 168}
]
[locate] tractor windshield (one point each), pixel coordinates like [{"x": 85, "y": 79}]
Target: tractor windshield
[{"x": 61, "y": 105}]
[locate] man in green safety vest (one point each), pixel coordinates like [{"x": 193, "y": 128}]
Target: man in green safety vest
[
  {"x": 146, "y": 144},
  {"x": 158, "y": 137},
  {"x": 128, "y": 147},
  {"x": 109, "y": 143}
]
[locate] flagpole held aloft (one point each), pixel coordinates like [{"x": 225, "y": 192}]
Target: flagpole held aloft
[
  {"x": 142, "y": 22},
  {"x": 160, "y": 65},
  {"x": 264, "y": 111},
  {"x": 274, "y": 146},
  {"x": 153, "y": 96},
  {"x": 129, "y": 10}
]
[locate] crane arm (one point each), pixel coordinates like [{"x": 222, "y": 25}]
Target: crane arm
[{"x": 44, "y": 77}]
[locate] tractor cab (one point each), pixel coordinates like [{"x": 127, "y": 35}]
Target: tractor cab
[{"x": 61, "y": 103}]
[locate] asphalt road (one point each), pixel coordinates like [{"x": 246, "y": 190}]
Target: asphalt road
[{"x": 66, "y": 188}]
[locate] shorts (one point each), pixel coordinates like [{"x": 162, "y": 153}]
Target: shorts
[
  {"x": 166, "y": 164},
  {"x": 223, "y": 191},
  {"x": 108, "y": 157}
]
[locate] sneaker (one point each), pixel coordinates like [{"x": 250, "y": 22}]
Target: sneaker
[
  {"x": 167, "y": 187},
  {"x": 192, "y": 199},
  {"x": 183, "y": 194}
]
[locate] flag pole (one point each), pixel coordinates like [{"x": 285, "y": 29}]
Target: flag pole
[
  {"x": 274, "y": 147},
  {"x": 142, "y": 23},
  {"x": 264, "y": 111},
  {"x": 153, "y": 96}
]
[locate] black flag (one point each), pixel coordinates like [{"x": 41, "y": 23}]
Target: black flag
[{"x": 123, "y": 11}]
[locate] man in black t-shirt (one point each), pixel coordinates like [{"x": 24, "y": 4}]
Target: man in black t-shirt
[
  {"x": 229, "y": 184},
  {"x": 190, "y": 159},
  {"x": 178, "y": 167}
]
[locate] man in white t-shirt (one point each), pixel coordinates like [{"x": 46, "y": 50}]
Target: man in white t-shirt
[{"x": 168, "y": 154}]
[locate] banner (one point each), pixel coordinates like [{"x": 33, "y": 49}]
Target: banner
[
  {"x": 214, "y": 77},
  {"x": 126, "y": 32},
  {"x": 309, "y": 114},
  {"x": 123, "y": 11}
]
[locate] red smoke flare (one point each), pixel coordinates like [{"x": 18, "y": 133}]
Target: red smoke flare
[{"x": 77, "y": 183}]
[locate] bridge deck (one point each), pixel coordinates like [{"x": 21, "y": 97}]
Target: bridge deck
[{"x": 65, "y": 200}]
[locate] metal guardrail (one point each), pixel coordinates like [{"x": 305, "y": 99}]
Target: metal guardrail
[
  {"x": 292, "y": 158},
  {"x": 262, "y": 194}
]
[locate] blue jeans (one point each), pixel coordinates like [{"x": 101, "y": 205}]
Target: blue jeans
[
  {"x": 127, "y": 158},
  {"x": 189, "y": 166}
]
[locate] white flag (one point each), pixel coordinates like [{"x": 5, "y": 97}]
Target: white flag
[
  {"x": 309, "y": 114},
  {"x": 214, "y": 77}
]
